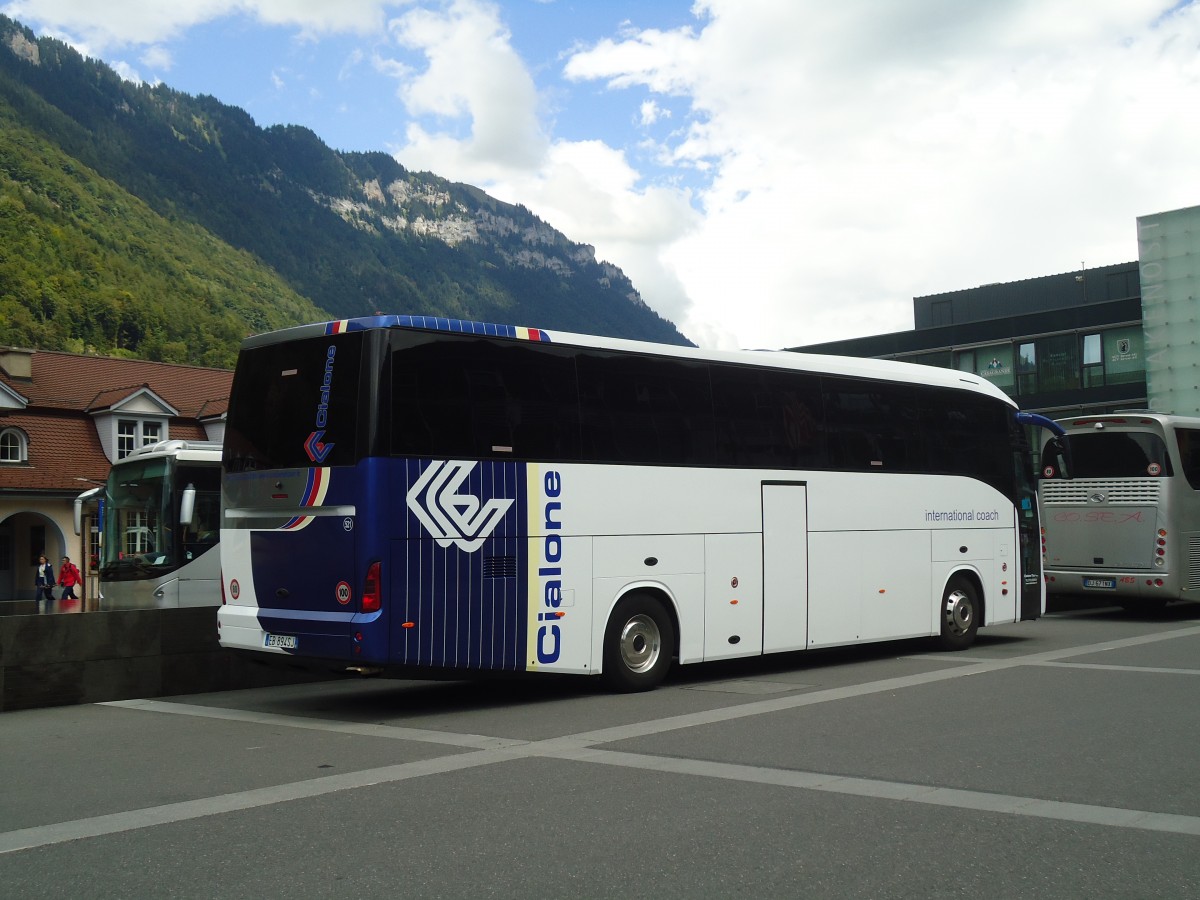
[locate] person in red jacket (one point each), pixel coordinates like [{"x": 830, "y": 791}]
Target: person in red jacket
[{"x": 68, "y": 577}]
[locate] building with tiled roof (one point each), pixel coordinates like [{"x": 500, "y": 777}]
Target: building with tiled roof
[{"x": 64, "y": 420}]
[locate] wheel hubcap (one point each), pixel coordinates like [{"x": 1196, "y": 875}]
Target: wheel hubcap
[
  {"x": 641, "y": 644},
  {"x": 959, "y": 612}
]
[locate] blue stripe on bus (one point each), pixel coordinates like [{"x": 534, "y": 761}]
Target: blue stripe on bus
[{"x": 434, "y": 323}]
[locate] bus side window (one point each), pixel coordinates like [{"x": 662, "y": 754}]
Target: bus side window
[
  {"x": 1189, "y": 454},
  {"x": 645, "y": 410},
  {"x": 872, "y": 427},
  {"x": 768, "y": 418}
]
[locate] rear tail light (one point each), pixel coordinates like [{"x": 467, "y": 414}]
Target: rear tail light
[{"x": 372, "y": 599}]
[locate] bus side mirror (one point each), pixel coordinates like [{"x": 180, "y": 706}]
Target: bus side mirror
[
  {"x": 78, "y": 515},
  {"x": 187, "y": 506},
  {"x": 1060, "y": 442}
]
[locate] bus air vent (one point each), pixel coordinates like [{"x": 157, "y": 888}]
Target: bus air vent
[
  {"x": 500, "y": 567},
  {"x": 1132, "y": 492},
  {"x": 1192, "y": 574}
]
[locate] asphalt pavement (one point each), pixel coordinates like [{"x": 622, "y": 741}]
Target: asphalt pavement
[{"x": 1056, "y": 758}]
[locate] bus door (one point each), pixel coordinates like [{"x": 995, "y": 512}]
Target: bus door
[{"x": 785, "y": 566}]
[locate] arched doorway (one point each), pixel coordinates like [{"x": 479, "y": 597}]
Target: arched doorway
[{"x": 23, "y": 537}]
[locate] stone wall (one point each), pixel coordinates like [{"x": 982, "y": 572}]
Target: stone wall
[{"x": 56, "y": 660}]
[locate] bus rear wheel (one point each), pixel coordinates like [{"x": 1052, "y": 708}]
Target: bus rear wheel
[
  {"x": 638, "y": 644},
  {"x": 960, "y": 615}
]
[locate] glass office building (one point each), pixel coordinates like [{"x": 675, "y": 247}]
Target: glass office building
[
  {"x": 1124, "y": 336},
  {"x": 1061, "y": 344}
]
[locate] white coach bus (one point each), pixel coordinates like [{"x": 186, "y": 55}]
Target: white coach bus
[
  {"x": 160, "y": 510},
  {"x": 1120, "y": 496},
  {"x": 405, "y": 493}
]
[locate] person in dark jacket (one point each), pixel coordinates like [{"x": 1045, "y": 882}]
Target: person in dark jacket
[{"x": 44, "y": 579}]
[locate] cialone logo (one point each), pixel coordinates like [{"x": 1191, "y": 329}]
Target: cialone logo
[
  {"x": 453, "y": 518},
  {"x": 549, "y": 633},
  {"x": 314, "y": 444}
]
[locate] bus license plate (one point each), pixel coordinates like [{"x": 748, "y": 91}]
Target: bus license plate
[
  {"x": 282, "y": 641},
  {"x": 1104, "y": 584}
]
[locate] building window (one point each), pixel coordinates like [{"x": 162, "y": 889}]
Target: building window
[
  {"x": 139, "y": 531},
  {"x": 1058, "y": 363},
  {"x": 1093, "y": 361},
  {"x": 134, "y": 433},
  {"x": 12, "y": 446},
  {"x": 93, "y": 548},
  {"x": 126, "y": 437},
  {"x": 1027, "y": 369}
]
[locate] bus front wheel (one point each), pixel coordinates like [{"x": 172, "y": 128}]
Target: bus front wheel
[
  {"x": 960, "y": 615},
  {"x": 638, "y": 644}
]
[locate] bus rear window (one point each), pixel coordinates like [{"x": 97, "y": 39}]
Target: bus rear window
[
  {"x": 295, "y": 404},
  {"x": 1109, "y": 454}
]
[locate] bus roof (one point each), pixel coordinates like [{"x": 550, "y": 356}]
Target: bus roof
[
  {"x": 1128, "y": 418},
  {"x": 188, "y": 451},
  {"x": 853, "y": 367}
]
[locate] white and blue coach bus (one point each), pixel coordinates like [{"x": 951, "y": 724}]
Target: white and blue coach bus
[{"x": 404, "y": 493}]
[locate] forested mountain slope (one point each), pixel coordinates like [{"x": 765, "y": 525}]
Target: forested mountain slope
[{"x": 138, "y": 219}]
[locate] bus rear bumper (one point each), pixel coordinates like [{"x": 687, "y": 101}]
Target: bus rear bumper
[
  {"x": 1147, "y": 585},
  {"x": 324, "y": 636}
]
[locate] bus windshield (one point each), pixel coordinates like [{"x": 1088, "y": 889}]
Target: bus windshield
[
  {"x": 1109, "y": 454},
  {"x": 138, "y": 542}
]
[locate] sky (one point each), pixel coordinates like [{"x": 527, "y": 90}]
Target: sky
[{"x": 769, "y": 173}]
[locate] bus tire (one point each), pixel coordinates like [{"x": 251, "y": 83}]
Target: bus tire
[
  {"x": 638, "y": 644},
  {"x": 960, "y": 612}
]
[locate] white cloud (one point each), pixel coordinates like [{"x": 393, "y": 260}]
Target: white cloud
[
  {"x": 472, "y": 73},
  {"x": 475, "y": 81},
  {"x": 120, "y": 23},
  {"x": 650, "y": 112},
  {"x": 126, "y": 71},
  {"x": 848, "y": 156},
  {"x": 157, "y": 57},
  {"x": 866, "y": 153}
]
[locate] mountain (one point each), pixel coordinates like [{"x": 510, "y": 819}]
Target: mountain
[{"x": 140, "y": 220}]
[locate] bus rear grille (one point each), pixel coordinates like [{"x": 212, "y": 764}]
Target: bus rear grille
[
  {"x": 1192, "y": 573},
  {"x": 1143, "y": 491},
  {"x": 500, "y": 567}
]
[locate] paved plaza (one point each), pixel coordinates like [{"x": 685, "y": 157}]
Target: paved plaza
[{"x": 1055, "y": 758}]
